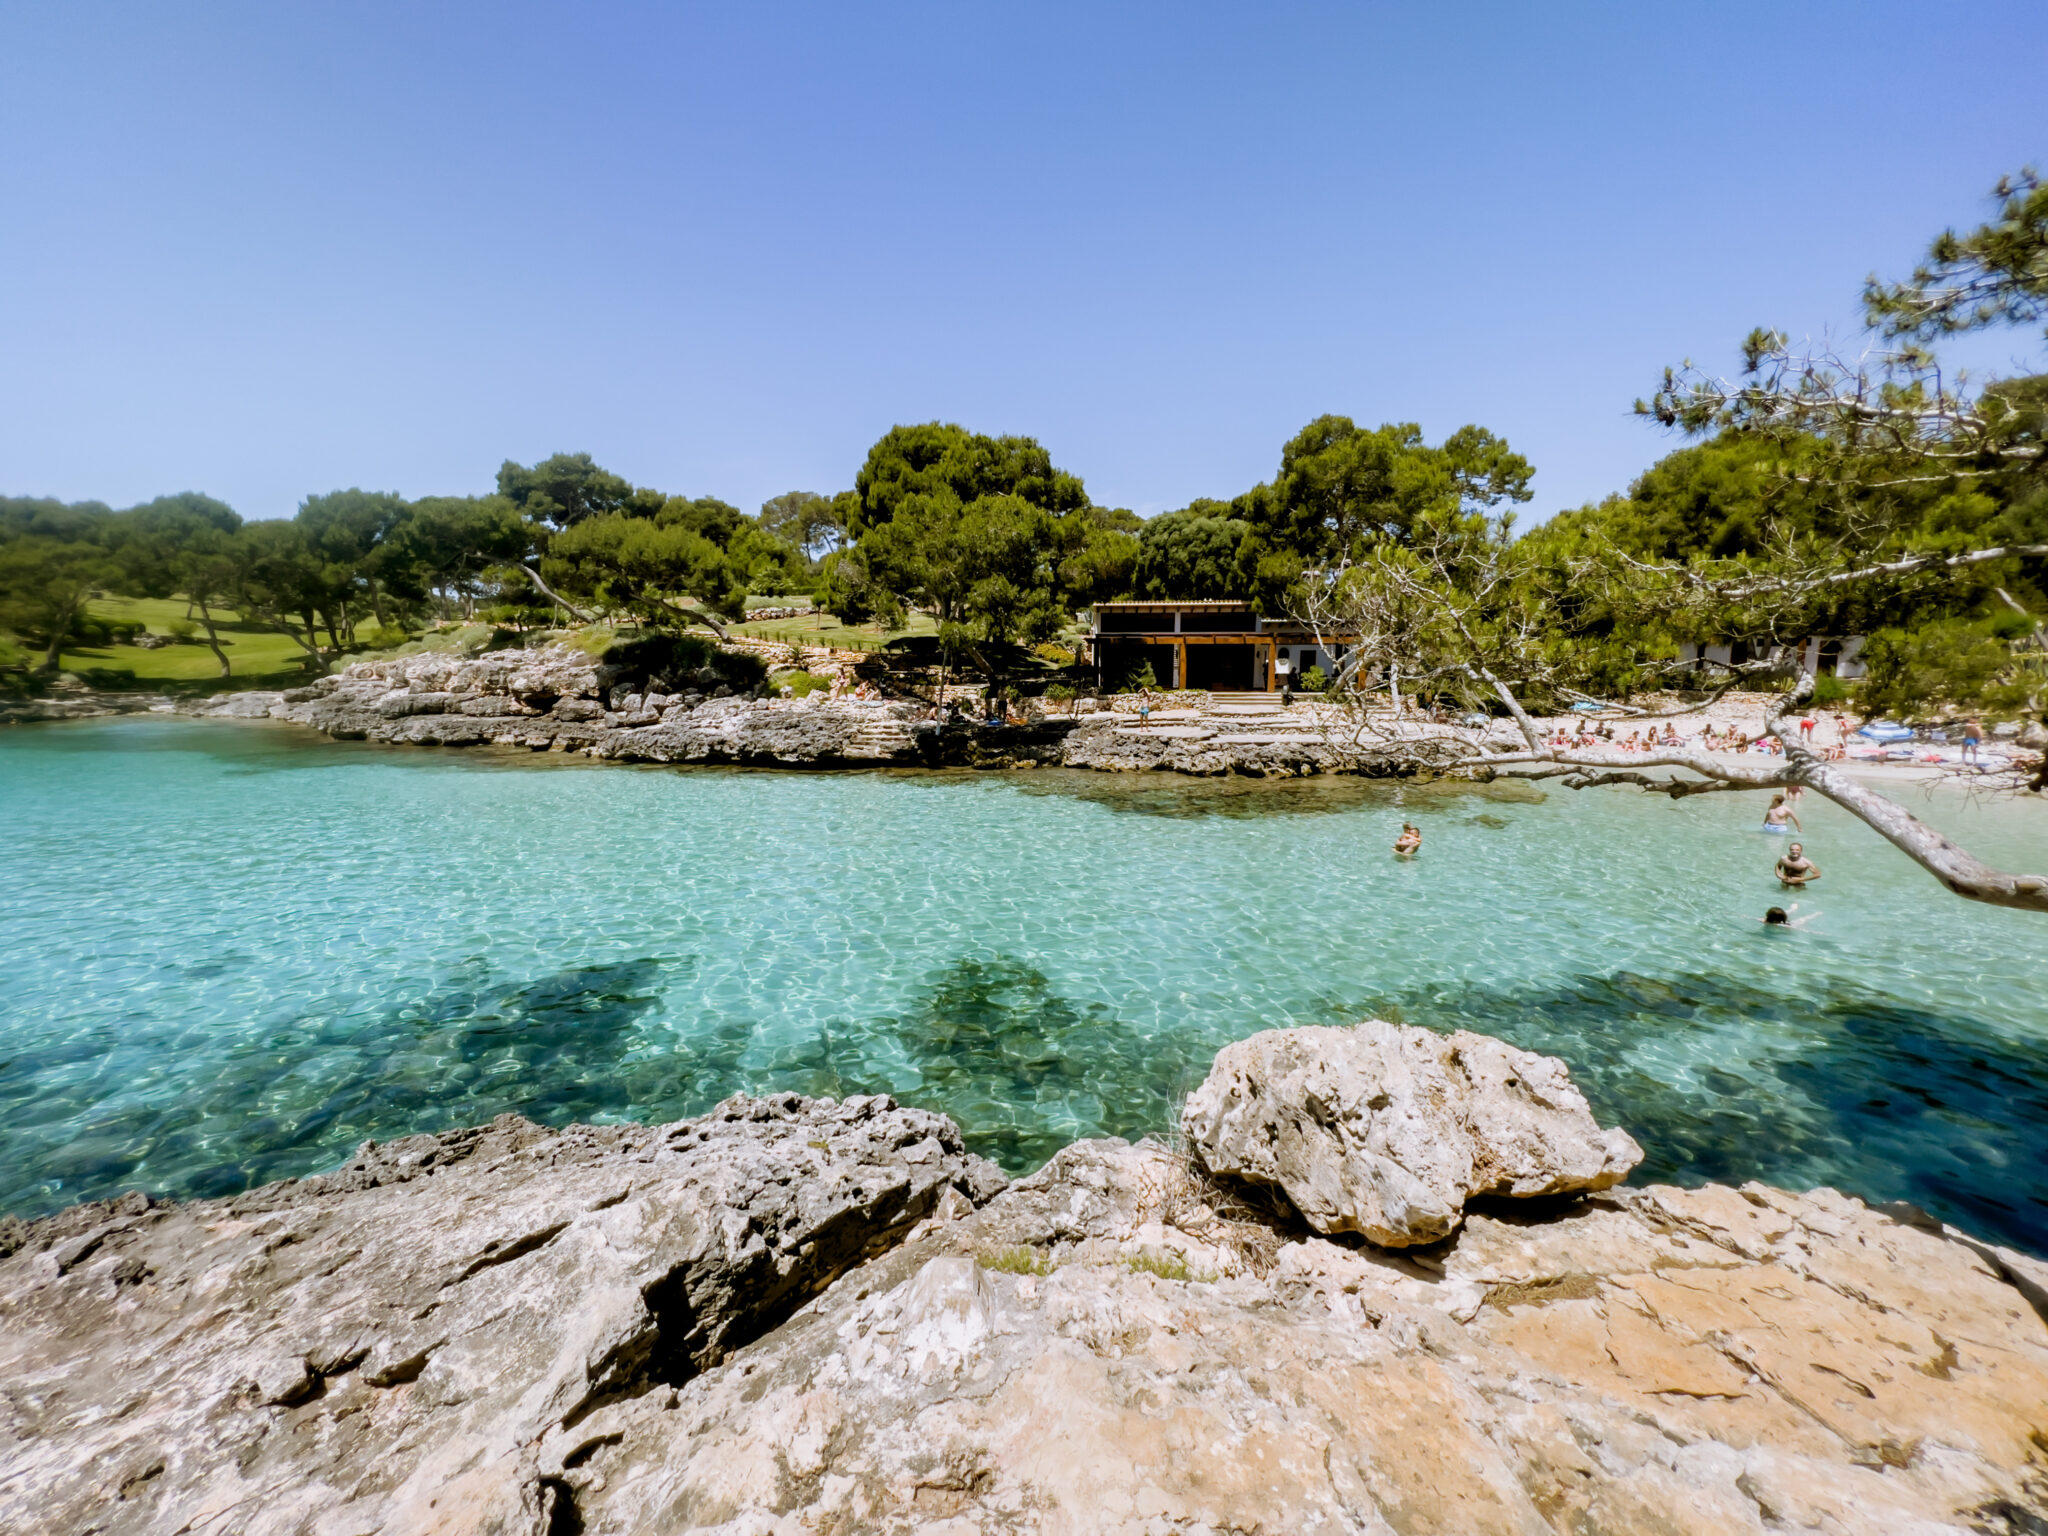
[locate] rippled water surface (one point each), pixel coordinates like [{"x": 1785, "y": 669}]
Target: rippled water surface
[{"x": 234, "y": 952}]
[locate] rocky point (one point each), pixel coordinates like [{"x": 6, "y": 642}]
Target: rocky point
[{"x": 805, "y": 1316}]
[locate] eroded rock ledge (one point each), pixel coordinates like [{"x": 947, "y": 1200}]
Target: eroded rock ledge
[
  {"x": 800, "y": 1316},
  {"x": 563, "y": 700}
]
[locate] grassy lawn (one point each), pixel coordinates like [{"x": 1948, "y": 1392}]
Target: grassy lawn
[
  {"x": 825, "y": 629},
  {"x": 253, "y": 654}
]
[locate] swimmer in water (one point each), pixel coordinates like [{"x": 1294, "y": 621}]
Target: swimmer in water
[
  {"x": 1779, "y": 814},
  {"x": 1781, "y": 917},
  {"x": 1795, "y": 871},
  {"x": 1409, "y": 843}
]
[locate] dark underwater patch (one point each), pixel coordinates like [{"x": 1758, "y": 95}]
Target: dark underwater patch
[
  {"x": 1851, "y": 1089},
  {"x": 473, "y": 1047}
]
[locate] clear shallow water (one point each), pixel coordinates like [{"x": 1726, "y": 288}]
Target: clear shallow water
[{"x": 234, "y": 952}]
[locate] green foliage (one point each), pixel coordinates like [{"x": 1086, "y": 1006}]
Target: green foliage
[
  {"x": 1017, "y": 1261},
  {"x": 814, "y": 525},
  {"x": 1829, "y": 689},
  {"x": 985, "y": 533},
  {"x": 800, "y": 684},
  {"x": 1139, "y": 679},
  {"x": 672, "y": 656},
  {"x": 1314, "y": 680},
  {"x": 940, "y": 464},
  {"x": 643, "y": 565},
  {"x": 565, "y": 490},
  {"x": 45, "y": 584},
  {"x": 1198, "y": 553},
  {"x": 1952, "y": 661},
  {"x": 1342, "y": 488},
  {"x": 1167, "y": 1265},
  {"x": 851, "y": 592},
  {"x": 1995, "y": 275}
]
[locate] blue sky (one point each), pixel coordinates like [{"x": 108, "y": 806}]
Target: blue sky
[{"x": 270, "y": 250}]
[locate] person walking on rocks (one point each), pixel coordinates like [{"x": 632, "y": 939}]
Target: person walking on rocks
[{"x": 1973, "y": 738}]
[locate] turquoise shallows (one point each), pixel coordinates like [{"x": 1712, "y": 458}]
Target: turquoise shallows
[{"x": 234, "y": 952}]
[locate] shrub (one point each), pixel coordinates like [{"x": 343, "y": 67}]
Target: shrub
[
  {"x": 1018, "y": 1261},
  {"x": 1140, "y": 678},
  {"x": 800, "y": 684},
  {"x": 1952, "y": 661},
  {"x": 1166, "y": 1266},
  {"x": 182, "y": 630},
  {"x": 1829, "y": 689},
  {"x": 1314, "y": 680}
]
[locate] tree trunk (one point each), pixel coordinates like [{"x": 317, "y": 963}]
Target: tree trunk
[{"x": 212, "y": 639}]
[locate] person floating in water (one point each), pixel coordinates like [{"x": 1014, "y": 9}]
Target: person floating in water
[
  {"x": 1409, "y": 843},
  {"x": 1781, "y": 917},
  {"x": 1795, "y": 871},
  {"x": 1779, "y": 814}
]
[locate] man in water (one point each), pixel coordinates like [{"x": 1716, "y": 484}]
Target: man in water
[
  {"x": 1409, "y": 843},
  {"x": 1795, "y": 870}
]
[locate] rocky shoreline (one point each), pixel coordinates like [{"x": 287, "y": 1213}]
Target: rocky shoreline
[
  {"x": 1419, "y": 1299},
  {"x": 561, "y": 699}
]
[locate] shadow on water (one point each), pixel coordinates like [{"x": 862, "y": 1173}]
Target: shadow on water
[
  {"x": 1235, "y": 798},
  {"x": 1722, "y": 1082},
  {"x": 1719, "y": 1080},
  {"x": 301, "y": 1096},
  {"x": 990, "y": 1043},
  {"x": 1024, "y": 1071}
]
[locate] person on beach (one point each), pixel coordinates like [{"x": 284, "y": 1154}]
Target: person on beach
[
  {"x": 1780, "y": 814},
  {"x": 1409, "y": 843},
  {"x": 1806, "y": 730},
  {"x": 1795, "y": 871},
  {"x": 1973, "y": 738},
  {"x": 1144, "y": 706}
]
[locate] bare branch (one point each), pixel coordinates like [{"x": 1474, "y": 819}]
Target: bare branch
[{"x": 554, "y": 596}]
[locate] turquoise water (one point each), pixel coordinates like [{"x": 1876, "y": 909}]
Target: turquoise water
[{"x": 234, "y": 952}]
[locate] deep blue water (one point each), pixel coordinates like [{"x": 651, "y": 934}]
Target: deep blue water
[{"x": 234, "y": 952}]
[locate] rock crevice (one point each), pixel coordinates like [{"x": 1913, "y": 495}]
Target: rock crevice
[{"x": 797, "y": 1315}]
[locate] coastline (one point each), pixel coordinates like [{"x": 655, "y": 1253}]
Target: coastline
[
  {"x": 562, "y": 700},
  {"x": 797, "y": 1314}
]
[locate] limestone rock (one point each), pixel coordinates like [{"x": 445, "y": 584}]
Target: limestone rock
[
  {"x": 1100, "y": 1349},
  {"x": 518, "y": 1331},
  {"x": 390, "y": 1347},
  {"x": 1386, "y": 1131},
  {"x": 1099, "y": 741},
  {"x": 252, "y": 704}
]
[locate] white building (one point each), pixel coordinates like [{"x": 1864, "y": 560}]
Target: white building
[{"x": 1821, "y": 655}]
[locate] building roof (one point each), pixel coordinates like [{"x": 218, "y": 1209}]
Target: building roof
[{"x": 1201, "y": 605}]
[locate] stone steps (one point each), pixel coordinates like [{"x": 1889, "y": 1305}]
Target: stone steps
[{"x": 883, "y": 737}]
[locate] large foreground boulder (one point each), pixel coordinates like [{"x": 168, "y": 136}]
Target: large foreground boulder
[
  {"x": 390, "y": 1347},
  {"x": 1387, "y": 1131}
]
